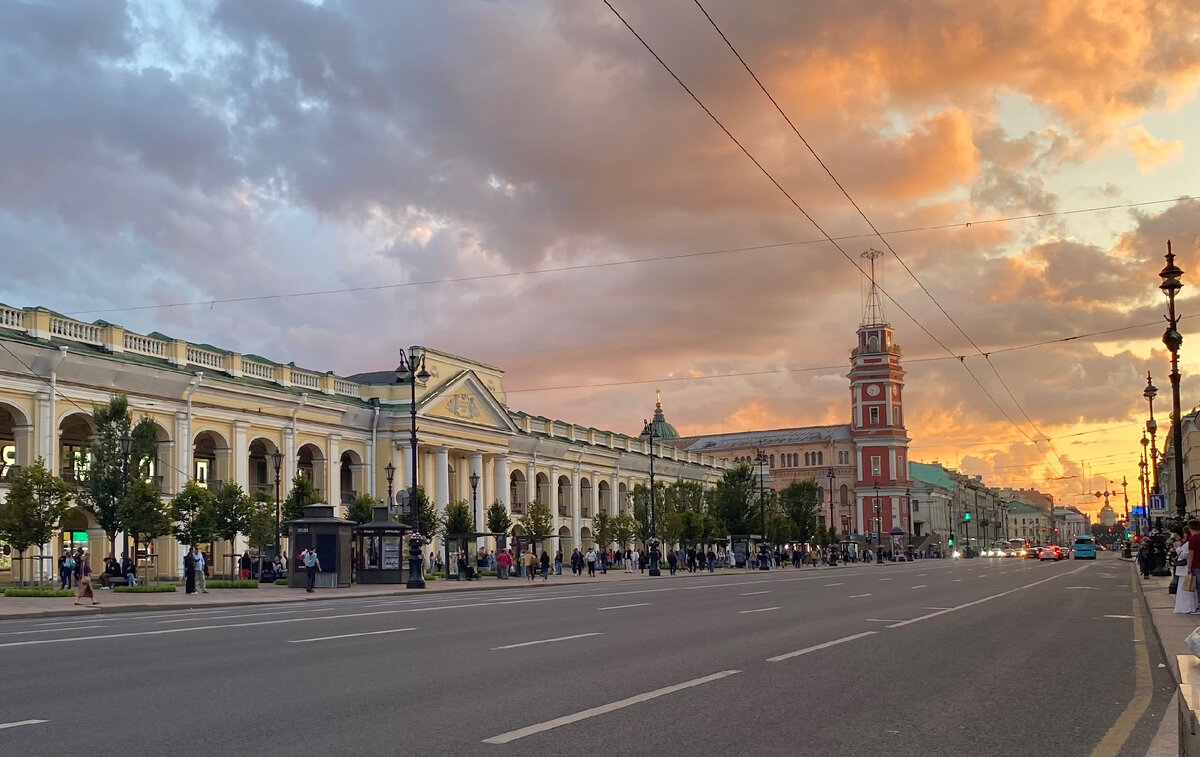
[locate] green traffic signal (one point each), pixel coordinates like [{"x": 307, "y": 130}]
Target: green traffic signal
[
  {"x": 951, "y": 541},
  {"x": 966, "y": 516}
]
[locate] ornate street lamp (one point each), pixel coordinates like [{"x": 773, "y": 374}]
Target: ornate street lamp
[
  {"x": 764, "y": 558},
  {"x": 389, "y": 470},
  {"x": 277, "y": 461},
  {"x": 830, "y": 474},
  {"x": 1174, "y": 340},
  {"x": 1150, "y": 392},
  {"x": 412, "y": 370},
  {"x": 649, "y": 434},
  {"x": 877, "y": 520},
  {"x": 474, "y": 479},
  {"x": 126, "y": 449}
]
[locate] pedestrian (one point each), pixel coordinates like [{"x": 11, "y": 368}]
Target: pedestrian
[
  {"x": 503, "y": 565},
  {"x": 672, "y": 561},
  {"x": 201, "y": 570},
  {"x": 628, "y": 560},
  {"x": 78, "y": 572},
  {"x": 528, "y": 563},
  {"x": 591, "y": 557},
  {"x": 66, "y": 570},
  {"x": 312, "y": 566},
  {"x": 244, "y": 565},
  {"x": 576, "y": 562},
  {"x": 84, "y": 585},
  {"x": 128, "y": 569},
  {"x": 712, "y": 560},
  {"x": 111, "y": 570},
  {"x": 558, "y": 562},
  {"x": 1185, "y": 600},
  {"x": 1143, "y": 558},
  {"x": 545, "y": 563},
  {"x": 189, "y": 571}
]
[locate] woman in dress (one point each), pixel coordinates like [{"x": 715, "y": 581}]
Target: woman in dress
[
  {"x": 84, "y": 588},
  {"x": 1185, "y": 601}
]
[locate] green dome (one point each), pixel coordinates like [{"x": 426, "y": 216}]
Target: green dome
[{"x": 662, "y": 429}]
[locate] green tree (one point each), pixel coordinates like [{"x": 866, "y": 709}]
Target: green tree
[
  {"x": 625, "y": 529},
  {"x": 734, "y": 500},
  {"x": 362, "y": 509},
  {"x": 428, "y": 520},
  {"x": 260, "y": 530},
  {"x": 603, "y": 525},
  {"x": 833, "y": 535},
  {"x": 691, "y": 527},
  {"x": 192, "y": 513},
  {"x": 231, "y": 516},
  {"x": 458, "y": 518},
  {"x": 780, "y": 528},
  {"x": 820, "y": 536},
  {"x": 641, "y": 508},
  {"x": 301, "y": 495},
  {"x": 498, "y": 522},
  {"x": 36, "y": 503},
  {"x": 537, "y": 520},
  {"x": 143, "y": 514},
  {"x": 799, "y": 502}
]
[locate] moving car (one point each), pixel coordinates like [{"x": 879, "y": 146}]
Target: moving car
[
  {"x": 1032, "y": 552},
  {"x": 1052, "y": 552},
  {"x": 1085, "y": 547}
]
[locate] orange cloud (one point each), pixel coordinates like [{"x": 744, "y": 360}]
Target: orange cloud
[{"x": 1150, "y": 152}]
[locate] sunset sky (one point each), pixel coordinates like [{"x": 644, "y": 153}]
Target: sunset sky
[{"x": 528, "y": 158}]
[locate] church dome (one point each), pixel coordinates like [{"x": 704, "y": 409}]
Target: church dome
[{"x": 662, "y": 429}]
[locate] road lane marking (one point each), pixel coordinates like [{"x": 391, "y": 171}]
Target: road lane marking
[
  {"x": 1122, "y": 727},
  {"x": 20, "y": 723},
  {"x": 935, "y": 608},
  {"x": 1124, "y": 617},
  {"x": 920, "y": 586},
  {"x": 885, "y": 579},
  {"x": 856, "y": 596},
  {"x": 989, "y": 598},
  {"x": 957, "y": 580},
  {"x": 880, "y": 620},
  {"x": 752, "y": 593},
  {"x": 521, "y": 733},
  {"x": 547, "y": 641},
  {"x": 1087, "y": 588},
  {"x": 622, "y": 607},
  {"x": 761, "y": 609},
  {"x": 826, "y": 645},
  {"x": 841, "y": 584},
  {"x": 235, "y": 616},
  {"x": 50, "y": 630},
  {"x": 348, "y": 635}
]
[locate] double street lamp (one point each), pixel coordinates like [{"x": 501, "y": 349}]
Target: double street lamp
[
  {"x": 277, "y": 460},
  {"x": 649, "y": 434},
  {"x": 764, "y": 559},
  {"x": 412, "y": 370},
  {"x": 1174, "y": 340}
]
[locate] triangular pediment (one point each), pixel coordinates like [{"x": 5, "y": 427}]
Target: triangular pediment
[{"x": 466, "y": 399}]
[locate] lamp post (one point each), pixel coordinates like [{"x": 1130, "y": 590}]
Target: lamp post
[
  {"x": 876, "y": 536},
  {"x": 474, "y": 479},
  {"x": 1144, "y": 477},
  {"x": 412, "y": 369},
  {"x": 1150, "y": 392},
  {"x": 277, "y": 461},
  {"x": 649, "y": 434},
  {"x": 389, "y": 470},
  {"x": 830, "y": 474},
  {"x": 764, "y": 560},
  {"x": 1174, "y": 340},
  {"x": 126, "y": 448}
]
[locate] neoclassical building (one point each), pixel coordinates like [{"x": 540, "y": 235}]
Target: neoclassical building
[{"x": 222, "y": 415}]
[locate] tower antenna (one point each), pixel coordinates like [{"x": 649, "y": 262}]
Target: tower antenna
[{"x": 872, "y": 304}]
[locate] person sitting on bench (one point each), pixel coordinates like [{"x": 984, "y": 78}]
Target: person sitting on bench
[{"x": 465, "y": 569}]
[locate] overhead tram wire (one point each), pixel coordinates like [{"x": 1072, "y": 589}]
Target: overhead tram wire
[
  {"x": 617, "y": 263},
  {"x": 813, "y": 221},
  {"x": 875, "y": 230}
]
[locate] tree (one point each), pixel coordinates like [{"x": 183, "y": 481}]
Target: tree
[
  {"x": 499, "y": 522},
  {"x": 820, "y": 537},
  {"x": 799, "y": 502},
  {"x": 143, "y": 514},
  {"x": 301, "y": 495},
  {"x": 603, "y": 524},
  {"x": 537, "y": 520},
  {"x": 362, "y": 509},
  {"x": 260, "y": 529},
  {"x": 641, "y": 508},
  {"x": 428, "y": 522},
  {"x": 458, "y": 518},
  {"x": 192, "y": 513},
  {"x": 625, "y": 529},
  {"x": 780, "y": 528},
  {"x": 833, "y": 535},
  {"x": 733, "y": 501},
  {"x": 231, "y": 516},
  {"x": 35, "y": 505}
]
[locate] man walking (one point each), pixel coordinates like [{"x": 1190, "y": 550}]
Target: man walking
[
  {"x": 311, "y": 566},
  {"x": 591, "y": 558},
  {"x": 200, "y": 567}
]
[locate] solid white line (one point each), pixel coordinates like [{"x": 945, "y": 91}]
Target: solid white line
[
  {"x": 841, "y": 584},
  {"x": 935, "y": 608},
  {"x": 348, "y": 635},
  {"x": 880, "y": 620},
  {"x": 762, "y": 609},
  {"x": 885, "y": 579},
  {"x": 919, "y": 618},
  {"x": 752, "y": 593},
  {"x": 50, "y": 630},
  {"x": 856, "y": 596},
  {"x": 957, "y": 580},
  {"x": 622, "y": 607},
  {"x": 547, "y": 641},
  {"x": 826, "y": 645},
  {"x": 920, "y": 586},
  {"x": 19, "y": 723},
  {"x": 521, "y": 733}
]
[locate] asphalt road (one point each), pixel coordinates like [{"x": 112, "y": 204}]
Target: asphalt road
[{"x": 974, "y": 657}]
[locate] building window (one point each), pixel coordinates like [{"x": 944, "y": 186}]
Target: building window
[
  {"x": 896, "y": 416},
  {"x": 900, "y": 463},
  {"x": 876, "y": 467},
  {"x": 916, "y": 506},
  {"x": 772, "y": 461},
  {"x": 874, "y": 416},
  {"x": 820, "y": 458},
  {"x": 844, "y": 495}
]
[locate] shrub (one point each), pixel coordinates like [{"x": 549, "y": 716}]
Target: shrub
[
  {"x": 281, "y": 582},
  {"x": 146, "y": 589},
  {"x": 241, "y": 583},
  {"x": 38, "y": 592}
]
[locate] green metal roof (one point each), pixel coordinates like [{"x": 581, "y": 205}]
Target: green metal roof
[{"x": 930, "y": 473}]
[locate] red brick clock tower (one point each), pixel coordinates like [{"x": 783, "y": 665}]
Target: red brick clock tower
[{"x": 877, "y": 422}]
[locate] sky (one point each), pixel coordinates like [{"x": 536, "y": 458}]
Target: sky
[{"x": 524, "y": 184}]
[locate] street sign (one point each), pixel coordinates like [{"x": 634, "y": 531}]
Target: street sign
[
  {"x": 1158, "y": 502},
  {"x": 1137, "y": 510}
]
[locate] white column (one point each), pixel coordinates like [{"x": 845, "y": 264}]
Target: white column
[
  {"x": 553, "y": 494},
  {"x": 22, "y": 434},
  {"x": 181, "y": 457},
  {"x": 573, "y": 507},
  {"x": 614, "y": 494},
  {"x": 476, "y": 467},
  {"x": 290, "y": 463},
  {"x": 47, "y": 434},
  {"x": 241, "y": 455},
  {"x": 333, "y": 472},
  {"x": 595, "y": 491},
  {"x": 441, "y": 472},
  {"x": 531, "y": 492},
  {"x": 500, "y": 478},
  {"x": 401, "y": 459}
]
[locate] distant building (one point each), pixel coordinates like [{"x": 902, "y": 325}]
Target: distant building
[
  {"x": 1031, "y": 497},
  {"x": 1070, "y": 523},
  {"x": 1108, "y": 516},
  {"x": 1027, "y": 522}
]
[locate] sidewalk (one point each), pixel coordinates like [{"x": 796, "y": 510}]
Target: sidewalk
[
  {"x": 112, "y": 601},
  {"x": 1171, "y": 630}
]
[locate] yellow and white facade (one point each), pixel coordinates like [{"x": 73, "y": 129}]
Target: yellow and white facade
[{"x": 221, "y": 415}]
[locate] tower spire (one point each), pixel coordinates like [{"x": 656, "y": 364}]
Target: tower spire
[{"x": 872, "y": 304}]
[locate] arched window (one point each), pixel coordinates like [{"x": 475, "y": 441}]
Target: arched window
[
  {"x": 820, "y": 458},
  {"x": 806, "y": 454},
  {"x": 772, "y": 461}
]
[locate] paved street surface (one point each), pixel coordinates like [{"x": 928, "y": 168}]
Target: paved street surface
[{"x": 978, "y": 657}]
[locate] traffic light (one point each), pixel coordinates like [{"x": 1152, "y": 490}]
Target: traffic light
[
  {"x": 950, "y": 541},
  {"x": 966, "y": 516}
]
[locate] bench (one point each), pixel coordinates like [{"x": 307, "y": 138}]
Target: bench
[{"x": 117, "y": 580}]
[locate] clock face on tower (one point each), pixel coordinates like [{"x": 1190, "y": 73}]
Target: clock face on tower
[{"x": 873, "y": 390}]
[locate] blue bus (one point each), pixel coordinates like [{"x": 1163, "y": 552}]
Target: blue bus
[{"x": 1085, "y": 547}]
